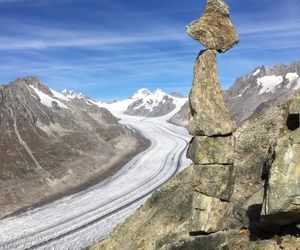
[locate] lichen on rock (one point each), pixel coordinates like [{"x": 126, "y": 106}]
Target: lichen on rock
[
  {"x": 214, "y": 29},
  {"x": 211, "y": 150},
  {"x": 209, "y": 116}
]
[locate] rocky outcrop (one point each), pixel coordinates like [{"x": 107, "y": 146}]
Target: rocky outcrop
[
  {"x": 163, "y": 222},
  {"x": 182, "y": 117},
  {"x": 45, "y": 140},
  {"x": 281, "y": 204},
  {"x": 214, "y": 29}
]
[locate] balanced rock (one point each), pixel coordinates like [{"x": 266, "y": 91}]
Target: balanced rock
[
  {"x": 214, "y": 180},
  {"x": 282, "y": 199},
  {"x": 211, "y": 150},
  {"x": 209, "y": 214},
  {"x": 214, "y": 29},
  {"x": 209, "y": 116}
]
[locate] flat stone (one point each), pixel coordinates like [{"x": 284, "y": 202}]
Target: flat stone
[
  {"x": 209, "y": 116},
  {"x": 282, "y": 199},
  {"x": 211, "y": 150},
  {"x": 214, "y": 180},
  {"x": 209, "y": 214},
  {"x": 214, "y": 29}
]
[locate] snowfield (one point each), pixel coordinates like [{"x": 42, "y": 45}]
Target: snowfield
[{"x": 79, "y": 220}]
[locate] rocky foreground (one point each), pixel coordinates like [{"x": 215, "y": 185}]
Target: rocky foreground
[
  {"x": 242, "y": 190},
  {"x": 52, "y": 143}
]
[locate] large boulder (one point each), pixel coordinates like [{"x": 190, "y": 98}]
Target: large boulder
[
  {"x": 214, "y": 29},
  {"x": 211, "y": 150},
  {"x": 282, "y": 198},
  {"x": 209, "y": 114}
]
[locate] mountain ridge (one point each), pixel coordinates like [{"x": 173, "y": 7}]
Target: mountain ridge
[{"x": 47, "y": 138}]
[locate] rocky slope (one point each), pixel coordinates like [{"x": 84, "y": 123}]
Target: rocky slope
[
  {"x": 163, "y": 222},
  {"x": 251, "y": 94},
  {"x": 53, "y": 142},
  {"x": 146, "y": 103},
  {"x": 182, "y": 117}
]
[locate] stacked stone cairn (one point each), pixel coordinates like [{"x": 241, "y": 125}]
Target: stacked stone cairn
[{"x": 212, "y": 147}]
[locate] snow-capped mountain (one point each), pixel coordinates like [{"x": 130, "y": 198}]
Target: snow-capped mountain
[
  {"x": 251, "y": 94},
  {"x": 146, "y": 103},
  {"x": 262, "y": 88},
  {"x": 51, "y": 142}
]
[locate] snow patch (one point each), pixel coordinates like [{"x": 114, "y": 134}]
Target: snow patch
[
  {"x": 269, "y": 83},
  {"x": 256, "y": 72},
  {"x": 292, "y": 76},
  {"x": 47, "y": 100},
  {"x": 297, "y": 85},
  {"x": 59, "y": 95},
  {"x": 70, "y": 94}
]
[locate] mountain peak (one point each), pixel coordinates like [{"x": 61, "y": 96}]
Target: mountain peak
[
  {"x": 141, "y": 93},
  {"x": 35, "y": 82},
  {"x": 72, "y": 94}
]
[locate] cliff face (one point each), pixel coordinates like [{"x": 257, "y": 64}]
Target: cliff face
[{"x": 51, "y": 143}]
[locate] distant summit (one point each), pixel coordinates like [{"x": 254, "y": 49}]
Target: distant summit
[{"x": 146, "y": 103}]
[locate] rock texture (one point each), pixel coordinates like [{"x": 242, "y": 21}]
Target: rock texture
[
  {"x": 214, "y": 29},
  {"x": 209, "y": 115},
  {"x": 209, "y": 214},
  {"x": 214, "y": 180},
  {"x": 45, "y": 140},
  {"x": 282, "y": 195},
  {"x": 211, "y": 150},
  {"x": 210, "y": 124}
]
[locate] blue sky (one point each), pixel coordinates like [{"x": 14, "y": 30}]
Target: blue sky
[{"x": 107, "y": 49}]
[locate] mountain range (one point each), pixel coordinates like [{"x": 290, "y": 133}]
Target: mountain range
[
  {"x": 147, "y": 104},
  {"x": 53, "y": 142}
]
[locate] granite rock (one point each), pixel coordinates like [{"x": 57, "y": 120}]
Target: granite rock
[
  {"x": 214, "y": 29},
  {"x": 209, "y": 116}
]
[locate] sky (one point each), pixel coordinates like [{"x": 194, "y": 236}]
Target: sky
[{"x": 108, "y": 49}]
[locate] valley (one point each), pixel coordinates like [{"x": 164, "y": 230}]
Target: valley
[{"x": 78, "y": 220}]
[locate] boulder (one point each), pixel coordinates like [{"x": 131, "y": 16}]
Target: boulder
[
  {"x": 214, "y": 180},
  {"x": 209, "y": 117},
  {"x": 209, "y": 214},
  {"x": 214, "y": 29},
  {"x": 282, "y": 195},
  {"x": 211, "y": 150}
]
